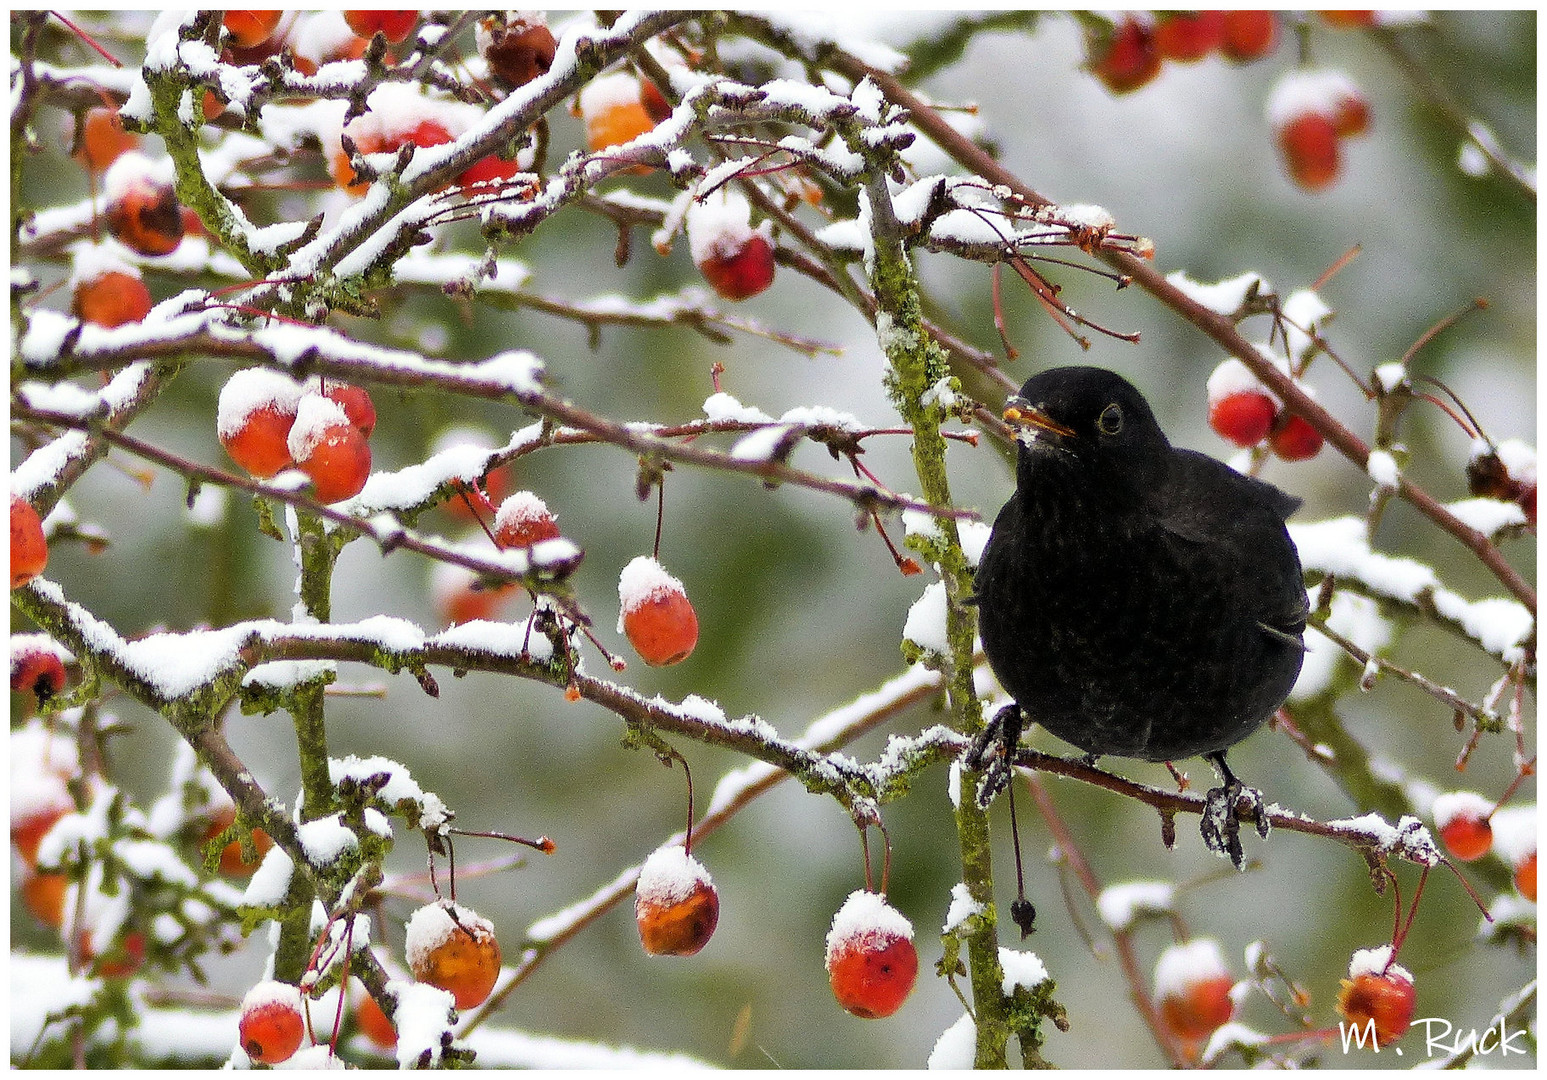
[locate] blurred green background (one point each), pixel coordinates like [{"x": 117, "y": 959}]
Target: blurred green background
[{"x": 800, "y": 612}]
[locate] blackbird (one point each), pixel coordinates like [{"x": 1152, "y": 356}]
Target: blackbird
[{"x": 1137, "y": 599}]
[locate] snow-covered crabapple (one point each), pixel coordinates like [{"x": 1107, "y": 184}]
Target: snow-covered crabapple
[
  {"x": 33, "y": 814},
  {"x": 655, "y": 614},
  {"x": 37, "y": 668},
  {"x": 1126, "y": 58},
  {"x": 104, "y": 289},
  {"x": 143, "y": 213},
  {"x": 1514, "y": 839},
  {"x": 1240, "y": 407},
  {"x": 1377, "y": 991},
  {"x": 1296, "y": 439},
  {"x": 518, "y": 46},
  {"x": 1249, "y": 35},
  {"x": 103, "y": 138},
  {"x": 393, "y": 25},
  {"x": 249, "y": 29},
  {"x": 329, "y": 449},
  {"x": 1310, "y": 111},
  {"x": 1192, "y": 986},
  {"x": 451, "y": 947},
  {"x": 375, "y": 1024},
  {"x": 321, "y": 37},
  {"x": 253, "y": 420},
  {"x": 522, "y": 520},
  {"x": 871, "y": 961},
  {"x": 676, "y": 906},
  {"x": 612, "y": 106},
  {"x": 271, "y": 1025},
  {"x": 29, "y": 547},
  {"x": 459, "y": 598},
  {"x": 355, "y": 401},
  {"x": 1461, "y": 819},
  {"x": 736, "y": 259}
]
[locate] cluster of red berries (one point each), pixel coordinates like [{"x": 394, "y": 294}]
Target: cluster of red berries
[
  {"x": 1242, "y": 410},
  {"x": 1130, "y": 53},
  {"x": 1311, "y": 110},
  {"x": 268, "y": 422},
  {"x": 1465, "y": 821}
]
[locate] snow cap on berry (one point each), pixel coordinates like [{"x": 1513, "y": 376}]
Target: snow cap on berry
[
  {"x": 435, "y": 924},
  {"x": 132, "y": 169},
  {"x": 608, "y": 92},
  {"x": 643, "y": 580},
  {"x": 669, "y": 876},
  {"x": 252, "y": 389},
  {"x": 321, "y": 35},
  {"x": 1377, "y": 962},
  {"x": 271, "y": 992},
  {"x": 719, "y": 226},
  {"x": 315, "y": 417},
  {"x": 521, "y": 508},
  {"x": 1310, "y": 91},
  {"x": 865, "y": 919},
  {"x": 88, "y": 262},
  {"x": 1514, "y": 833},
  {"x": 1233, "y": 377},
  {"x": 1459, "y": 804},
  {"x": 1183, "y": 966}
]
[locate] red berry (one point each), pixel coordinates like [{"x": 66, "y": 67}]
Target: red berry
[
  {"x": 523, "y": 520},
  {"x": 374, "y": 1024},
  {"x": 249, "y": 29},
  {"x": 44, "y": 896},
  {"x": 489, "y": 169},
  {"x": 871, "y": 961},
  {"x": 256, "y": 412},
  {"x": 1386, "y": 998},
  {"x": 271, "y": 1027},
  {"x": 355, "y": 401},
  {"x": 614, "y": 111},
  {"x": 655, "y": 613},
  {"x": 743, "y": 274},
  {"x": 518, "y": 49},
  {"x": 1193, "y": 988},
  {"x": 143, "y": 213},
  {"x": 1127, "y": 59},
  {"x": 394, "y": 25},
  {"x": 1525, "y": 877},
  {"x": 111, "y": 299},
  {"x": 1189, "y": 35},
  {"x": 103, "y": 138},
  {"x": 30, "y": 827},
  {"x": 676, "y": 907},
  {"x": 1309, "y": 144},
  {"x": 733, "y": 257},
  {"x": 329, "y": 449},
  {"x": 1243, "y": 418},
  {"x": 451, "y": 947},
  {"x": 29, "y": 547},
  {"x": 1249, "y": 35},
  {"x": 1462, "y": 820},
  {"x": 231, "y": 862},
  {"x": 1296, "y": 440},
  {"x": 36, "y": 666},
  {"x": 457, "y": 599}
]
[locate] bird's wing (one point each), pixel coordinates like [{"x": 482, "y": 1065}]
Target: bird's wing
[{"x": 1205, "y": 504}]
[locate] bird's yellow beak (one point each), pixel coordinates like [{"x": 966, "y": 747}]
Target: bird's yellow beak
[{"x": 1020, "y": 413}]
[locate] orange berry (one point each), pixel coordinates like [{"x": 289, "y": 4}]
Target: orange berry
[
  {"x": 1309, "y": 144},
  {"x": 518, "y": 49},
  {"x": 523, "y": 520},
  {"x": 655, "y": 613},
  {"x": 460, "y": 600},
  {"x": 271, "y": 1027},
  {"x": 1249, "y": 35},
  {"x": 43, "y": 894},
  {"x": 614, "y": 111},
  {"x": 1384, "y": 997},
  {"x": 1461, "y": 817},
  {"x": 1126, "y": 59},
  {"x": 231, "y": 862},
  {"x": 103, "y": 138},
  {"x": 143, "y": 213},
  {"x": 676, "y": 907},
  {"x": 1189, "y": 35},
  {"x": 1525, "y": 877},
  {"x": 871, "y": 961},
  {"x": 256, "y": 412},
  {"x": 1296, "y": 440},
  {"x": 355, "y": 401},
  {"x": 249, "y": 29},
  {"x": 1193, "y": 988},
  {"x": 449, "y": 946},
  {"x": 36, "y": 667},
  {"x": 374, "y": 1024},
  {"x": 29, "y": 547},
  {"x": 111, "y": 299},
  {"x": 329, "y": 449},
  {"x": 394, "y": 25}
]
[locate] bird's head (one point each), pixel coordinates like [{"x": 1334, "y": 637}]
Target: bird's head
[{"x": 1091, "y": 422}]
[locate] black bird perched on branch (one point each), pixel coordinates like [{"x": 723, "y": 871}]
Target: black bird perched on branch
[{"x": 1136, "y": 599}]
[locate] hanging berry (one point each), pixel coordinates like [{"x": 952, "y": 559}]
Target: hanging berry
[
  {"x": 655, "y": 614},
  {"x": 451, "y": 947},
  {"x": 871, "y": 961},
  {"x": 676, "y": 907}
]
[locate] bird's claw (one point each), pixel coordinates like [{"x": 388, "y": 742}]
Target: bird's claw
[
  {"x": 1222, "y": 819},
  {"x": 993, "y": 753}
]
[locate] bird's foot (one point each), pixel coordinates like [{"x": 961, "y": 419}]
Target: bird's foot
[
  {"x": 993, "y": 753},
  {"x": 1221, "y": 824}
]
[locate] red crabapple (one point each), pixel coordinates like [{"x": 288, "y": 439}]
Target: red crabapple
[
  {"x": 143, "y": 213},
  {"x": 1249, "y": 35},
  {"x": 256, "y": 412},
  {"x": 449, "y": 946},
  {"x": 29, "y": 547},
  {"x": 1240, "y": 407},
  {"x": 104, "y": 289},
  {"x": 518, "y": 46},
  {"x": 103, "y": 138},
  {"x": 37, "y": 666},
  {"x": 676, "y": 907},
  {"x": 355, "y": 401},
  {"x": 1461, "y": 819},
  {"x": 394, "y": 25},
  {"x": 523, "y": 519},
  {"x": 271, "y": 1025},
  {"x": 1193, "y": 988},
  {"x": 614, "y": 112},
  {"x": 736, "y": 259},
  {"x": 1297, "y": 440},
  {"x": 329, "y": 449},
  {"x": 1186, "y": 36},
  {"x": 871, "y": 961},
  {"x": 249, "y": 29},
  {"x": 655, "y": 613},
  {"x": 1380, "y": 992},
  {"x": 1126, "y": 59}
]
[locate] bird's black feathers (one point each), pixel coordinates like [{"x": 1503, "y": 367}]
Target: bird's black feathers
[{"x": 1136, "y": 599}]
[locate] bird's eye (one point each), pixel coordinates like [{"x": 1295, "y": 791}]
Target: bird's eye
[{"x": 1111, "y": 420}]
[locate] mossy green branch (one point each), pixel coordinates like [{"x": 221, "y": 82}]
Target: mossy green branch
[{"x": 917, "y": 363}]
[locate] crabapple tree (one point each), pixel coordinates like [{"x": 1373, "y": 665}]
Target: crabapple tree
[{"x": 471, "y": 471}]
